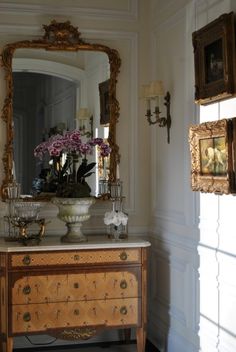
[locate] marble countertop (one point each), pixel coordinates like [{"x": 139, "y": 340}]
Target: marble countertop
[{"x": 52, "y": 243}]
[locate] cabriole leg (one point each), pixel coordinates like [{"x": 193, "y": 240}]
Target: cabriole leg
[{"x": 141, "y": 339}]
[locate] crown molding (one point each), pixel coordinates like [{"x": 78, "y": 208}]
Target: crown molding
[
  {"x": 19, "y": 29},
  {"x": 130, "y": 14}
]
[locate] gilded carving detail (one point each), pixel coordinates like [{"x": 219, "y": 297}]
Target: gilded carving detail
[
  {"x": 77, "y": 334},
  {"x": 221, "y": 177}
]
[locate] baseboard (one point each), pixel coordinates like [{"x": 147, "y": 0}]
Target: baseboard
[{"x": 149, "y": 346}]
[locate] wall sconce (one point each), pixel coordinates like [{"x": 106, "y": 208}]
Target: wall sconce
[
  {"x": 154, "y": 92},
  {"x": 84, "y": 118}
]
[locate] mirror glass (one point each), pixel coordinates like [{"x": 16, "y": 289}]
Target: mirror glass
[
  {"x": 55, "y": 84},
  {"x": 52, "y": 95}
]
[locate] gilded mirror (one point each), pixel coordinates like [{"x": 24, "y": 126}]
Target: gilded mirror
[{"x": 58, "y": 37}]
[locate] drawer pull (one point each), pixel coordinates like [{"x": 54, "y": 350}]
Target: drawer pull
[
  {"x": 26, "y": 260},
  {"x": 123, "y": 284},
  {"x": 27, "y": 290},
  {"x": 123, "y": 310},
  {"x": 76, "y": 285},
  {"x": 76, "y": 312},
  {"x": 26, "y": 317},
  {"x": 76, "y": 257},
  {"x": 123, "y": 256}
]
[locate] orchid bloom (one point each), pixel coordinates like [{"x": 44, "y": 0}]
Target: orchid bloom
[{"x": 70, "y": 142}]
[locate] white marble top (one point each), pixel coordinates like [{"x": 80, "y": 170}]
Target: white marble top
[{"x": 53, "y": 243}]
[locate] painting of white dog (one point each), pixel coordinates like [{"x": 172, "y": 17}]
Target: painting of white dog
[{"x": 214, "y": 156}]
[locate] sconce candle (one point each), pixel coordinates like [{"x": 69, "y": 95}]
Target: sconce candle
[
  {"x": 13, "y": 170},
  {"x": 158, "y": 101},
  {"x": 148, "y": 104},
  {"x": 117, "y": 172},
  {"x": 104, "y": 168}
]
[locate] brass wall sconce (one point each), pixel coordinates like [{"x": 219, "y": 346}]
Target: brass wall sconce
[{"x": 154, "y": 92}]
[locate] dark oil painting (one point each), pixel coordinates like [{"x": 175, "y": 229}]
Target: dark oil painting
[{"x": 214, "y": 65}]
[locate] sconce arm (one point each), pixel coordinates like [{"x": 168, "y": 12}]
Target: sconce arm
[
  {"x": 168, "y": 117},
  {"x": 162, "y": 121},
  {"x": 149, "y": 117}
]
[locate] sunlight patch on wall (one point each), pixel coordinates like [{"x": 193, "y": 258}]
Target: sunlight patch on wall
[{"x": 216, "y": 248}]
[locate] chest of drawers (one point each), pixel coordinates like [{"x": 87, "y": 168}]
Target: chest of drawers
[{"x": 73, "y": 291}]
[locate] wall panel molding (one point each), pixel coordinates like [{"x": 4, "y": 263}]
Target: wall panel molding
[
  {"x": 170, "y": 22},
  {"x": 175, "y": 234},
  {"x": 174, "y": 216},
  {"x": 130, "y": 13},
  {"x": 173, "y": 267}
]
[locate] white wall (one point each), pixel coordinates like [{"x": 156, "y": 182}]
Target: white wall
[
  {"x": 189, "y": 306},
  {"x": 173, "y": 323}
]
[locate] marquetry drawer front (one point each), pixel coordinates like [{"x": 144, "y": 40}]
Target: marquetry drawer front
[
  {"x": 74, "y": 287},
  {"x": 40, "y": 317},
  {"x": 130, "y": 255}
]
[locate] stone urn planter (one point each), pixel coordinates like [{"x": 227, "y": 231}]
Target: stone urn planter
[{"x": 73, "y": 211}]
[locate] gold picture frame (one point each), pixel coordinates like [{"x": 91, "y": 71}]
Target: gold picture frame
[
  {"x": 213, "y": 156},
  {"x": 214, "y": 60}
]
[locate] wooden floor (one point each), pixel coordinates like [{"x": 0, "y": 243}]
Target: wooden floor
[{"x": 111, "y": 347}]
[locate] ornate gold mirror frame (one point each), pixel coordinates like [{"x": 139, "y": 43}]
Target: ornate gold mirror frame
[{"x": 58, "y": 36}]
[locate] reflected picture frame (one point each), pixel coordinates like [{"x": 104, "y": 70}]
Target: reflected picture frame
[
  {"x": 214, "y": 60},
  {"x": 212, "y": 150},
  {"x": 104, "y": 103}
]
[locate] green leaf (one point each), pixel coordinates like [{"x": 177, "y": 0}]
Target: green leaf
[{"x": 84, "y": 169}]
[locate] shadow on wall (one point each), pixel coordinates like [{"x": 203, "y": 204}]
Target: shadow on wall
[{"x": 158, "y": 294}]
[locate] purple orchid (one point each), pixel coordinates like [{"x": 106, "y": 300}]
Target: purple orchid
[{"x": 71, "y": 144}]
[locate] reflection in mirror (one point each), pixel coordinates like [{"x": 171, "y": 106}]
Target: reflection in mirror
[
  {"x": 43, "y": 102},
  {"x": 44, "y": 105}
]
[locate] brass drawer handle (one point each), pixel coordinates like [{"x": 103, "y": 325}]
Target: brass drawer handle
[
  {"x": 26, "y": 317},
  {"x": 123, "y": 256},
  {"x": 76, "y": 285},
  {"x": 26, "y": 260},
  {"x": 76, "y": 257},
  {"x": 123, "y": 310},
  {"x": 123, "y": 284},
  {"x": 27, "y": 290},
  {"x": 76, "y": 312}
]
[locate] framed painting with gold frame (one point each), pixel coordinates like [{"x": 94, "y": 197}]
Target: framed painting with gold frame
[
  {"x": 212, "y": 156},
  {"x": 214, "y": 60},
  {"x": 104, "y": 103}
]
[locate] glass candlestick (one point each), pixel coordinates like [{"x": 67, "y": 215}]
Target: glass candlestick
[
  {"x": 13, "y": 191},
  {"x": 116, "y": 190}
]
